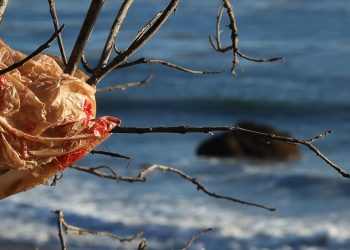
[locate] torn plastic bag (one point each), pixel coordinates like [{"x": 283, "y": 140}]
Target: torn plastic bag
[{"x": 47, "y": 121}]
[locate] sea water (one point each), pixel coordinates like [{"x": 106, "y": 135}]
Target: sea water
[{"x": 305, "y": 95}]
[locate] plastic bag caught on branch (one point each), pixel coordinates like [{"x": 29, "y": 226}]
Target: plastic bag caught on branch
[{"x": 47, "y": 121}]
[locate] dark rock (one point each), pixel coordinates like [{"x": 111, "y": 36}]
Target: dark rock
[{"x": 244, "y": 145}]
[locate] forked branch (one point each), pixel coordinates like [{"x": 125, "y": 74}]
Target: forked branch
[
  {"x": 113, "y": 33},
  {"x": 115, "y": 155},
  {"x": 187, "y": 129},
  {"x": 217, "y": 43},
  {"x": 65, "y": 228},
  {"x": 195, "y": 237},
  {"x": 136, "y": 44},
  {"x": 141, "y": 177}
]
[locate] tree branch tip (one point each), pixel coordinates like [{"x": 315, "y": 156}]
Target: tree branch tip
[
  {"x": 281, "y": 58},
  {"x": 61, "y": 28}
]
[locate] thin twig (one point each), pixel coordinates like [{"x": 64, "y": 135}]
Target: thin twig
[
  {"x": 215, "y": 40},
  {"x": 52, "y": 9},
  {"x": 149, "y": 24},
  {"x": 83, "y": 36},
  {"x": 64, "y": 227},
  {"x": 187, "y": 129},
  {"x": 137, "y": 44},
  {"x": 82, "y": 231},
  {"x": 141, "y": 177},
  {"x": 113, "y": 33},
  {"x": 114, "y": 174},
  {"x": 320, "y": 136},
  {"x": 42, "y": 47},
  {"x": 254, "y": 59},
  {"x": 234, "y": 33},
  {"x": 195, "y": 237},
  {"x": 85, "y": 64},
  {"x": 3, "y": 5},
  {"x": 176, "y": 129},
  {"x": 60, "y": 220},
  {"x": 164, "y": 63},
  {"x": 116, "y": 155},
  {"x": 124, "y": 86}
]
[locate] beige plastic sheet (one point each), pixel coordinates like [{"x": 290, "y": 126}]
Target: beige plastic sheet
[{"x": 47, "y": 121}]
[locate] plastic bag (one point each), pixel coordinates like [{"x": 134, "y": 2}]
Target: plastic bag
[{"x": 47, "y": 121}]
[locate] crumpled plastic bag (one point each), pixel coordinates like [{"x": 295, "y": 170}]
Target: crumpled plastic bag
[{"x": 47, "y": 121}]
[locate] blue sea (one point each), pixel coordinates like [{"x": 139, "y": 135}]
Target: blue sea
[{"x": 306, "y": 94}]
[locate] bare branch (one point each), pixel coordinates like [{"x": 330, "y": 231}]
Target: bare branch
[
  {"x": 85, "y": 64},
  {"x": 60, "y": 221},
  {"x": 52, "y": 9},
  {"x": 195, "y": 237},
  {"x": 214, "y": 45},
  {"x": 149, "y": 24},
  {"x": 83, "y": 36},
  {"x": 320, "y": 136},
  {"x": 116, "y": 155},
  {"x": 113, "y": 33},
  {"x": 96, "y": 170},
  {"x": 164, "y": 63},
  {"x": 142, "y": 178},
  {"x": 136, "y": 44},
  {"x": 188, "y": 129},
  {"x": 64, "y": 227},
  {"x": 101, "y": 174},
  {"x": 124, "y": 86},
  {"x": 3, "y": 5},
  {"x": 215, "y": 40},
  {"x": 176, "y": 129},
  {"x": 234, "y": 33},
  {"x": 254, "y": 59},
  {"x": 217, "y": 45},
  {"x": 42, "y": 47}
]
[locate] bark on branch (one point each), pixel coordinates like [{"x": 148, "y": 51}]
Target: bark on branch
[
  {"x": 113, "y": 33},
  {"x": 83, "y": 36},
  {"x": 125, "y": 86},
  {"x": 217, "y": 44},
  {"x": 54, "y": 17},
  {"x": 65, "y": 228},
  {"x": 164, "y": 63},
  {"x": 141, "y": 177},
  {"x": 187, "y": 129},
  {"x": 137, "y": 44}
]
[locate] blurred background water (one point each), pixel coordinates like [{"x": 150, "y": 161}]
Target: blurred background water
[{"x": 305, "y": 95}]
